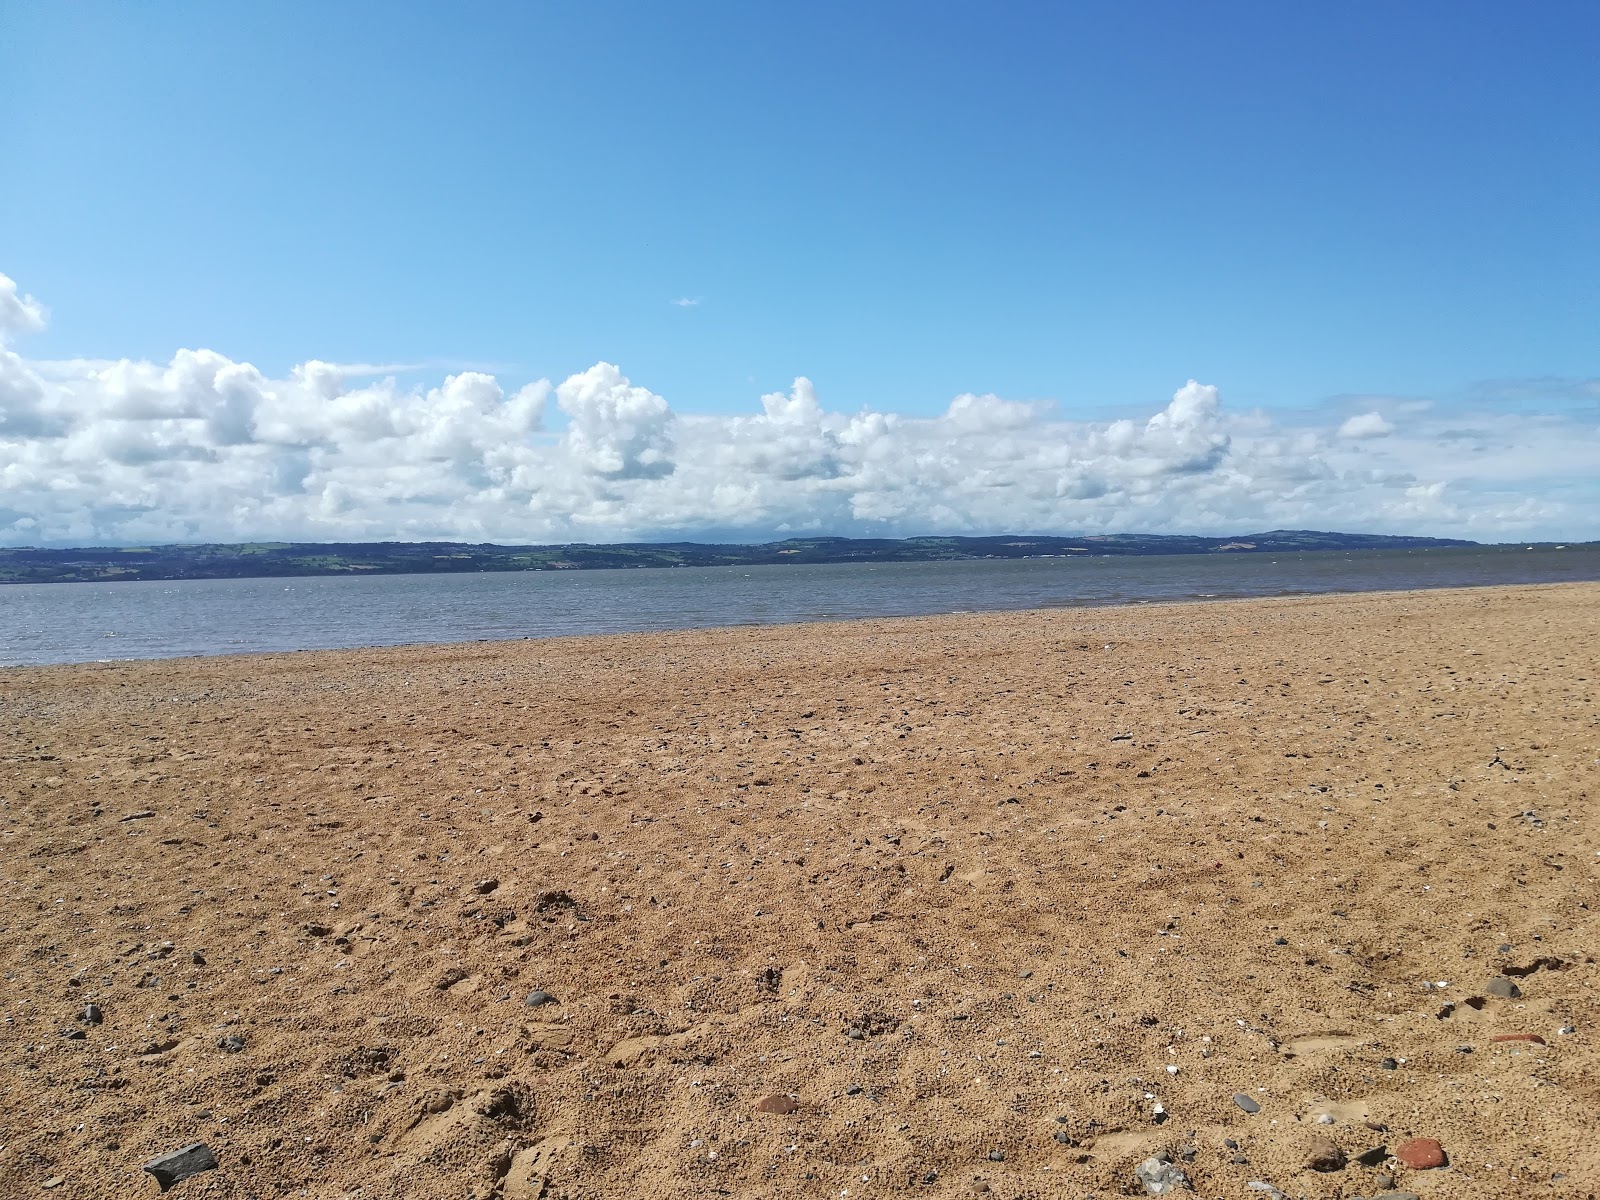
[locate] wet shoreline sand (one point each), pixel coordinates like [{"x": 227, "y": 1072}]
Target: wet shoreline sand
[{"x": 964, "y": 888}]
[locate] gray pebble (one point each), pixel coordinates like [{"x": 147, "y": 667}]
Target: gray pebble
[
  {"x": 1244, "y": 1102},
  {"x": 997, "y": 1156},
  {"x": 232, "y": 1044},
  {"x": 537, "y": 998},
  {"x": 180, "y": 1164},
  {"x": 92, "y": 1014},
  {"x": 855, "y": 1035},
  {"x": 1502, "y": 987},
  {"x": 1160, "y": 1176},
  {"x": 1259, "y": 1185}
]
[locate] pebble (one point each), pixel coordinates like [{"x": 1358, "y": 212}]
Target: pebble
[
  {"x": 997, "y": 1156},
  {"x": 1323, "y": 1155},
  {"x": 1244, "y": 1102},
  {"x": 1420, "y": 1154},
  {"x": 1389, "y": 1064},
  {"x": 781, "y": 1105},
  {"x": 484, "y": 886},
  {"x": 1502, "y": 987},
  {"x": 178, "y": 1165},
  {"x": 1160, "y": 1176},
  {"x": 1383, "y": 1179},
  {"x": 54, "y": 1181},
  {"x": 92, "y": 1014},
  {"x": 232, "y": 1044},
  {"x": 537, "y": 998},
  {"x": 1261, "y": 1185}
]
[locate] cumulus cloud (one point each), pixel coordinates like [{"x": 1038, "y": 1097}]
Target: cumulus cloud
[
  {"x": 1366, "y": 425},
  {"x": 202, "y": 447}
]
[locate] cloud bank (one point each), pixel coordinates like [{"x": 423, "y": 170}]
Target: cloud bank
[{"x": 203, "y": 448}]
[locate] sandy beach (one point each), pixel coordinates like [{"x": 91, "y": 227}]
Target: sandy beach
[{"x": 982, "y": 904}]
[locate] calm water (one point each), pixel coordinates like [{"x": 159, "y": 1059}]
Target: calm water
[{"x": 81, "y": 622}]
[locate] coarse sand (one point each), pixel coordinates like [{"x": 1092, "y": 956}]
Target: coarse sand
[{"x": 993, "y": 904}]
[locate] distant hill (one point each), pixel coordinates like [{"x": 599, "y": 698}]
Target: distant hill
[{"x": 257, "y": 559}]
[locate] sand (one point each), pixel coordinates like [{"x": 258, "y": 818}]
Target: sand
[{"x": 997, "y": 904}]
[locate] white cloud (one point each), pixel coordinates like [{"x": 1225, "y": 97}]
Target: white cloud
[
  {"x": 18, "y": 314},
  {"x": 1366, "y": 425},
  {"x": 687, "y": 302},
  {"x": 205, "y": 448}
]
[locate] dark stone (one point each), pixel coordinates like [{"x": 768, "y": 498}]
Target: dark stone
[
  {"x": 1244, "y": 1102},
  {"x": 92, "y": 1014},
  {"x": 1502, "y": 987},
  {"x": 536, "y": 999},
  {"x": 232, "y": 1044},
  {"x": 1389, "y": 1064},
  {"x": 484, "y": 886},
  {"x": 180, "y": 1164},
  {"x": 997, "y": 1156}
]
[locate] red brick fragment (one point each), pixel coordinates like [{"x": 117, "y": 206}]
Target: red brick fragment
[{"x": 1421, "y": 1153}]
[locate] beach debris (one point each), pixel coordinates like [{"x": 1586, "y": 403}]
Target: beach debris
[
  {"x": 1244, "y": 1102},
  {"x": 1421, "y": 1154},
  {"x": 180, "y": 1164},
  {"x": 1502, "y": 987},
  {"x": 537, "y": 998},
  {"x": 1160, "y": 1175},
  {"x": 1323, "y": 1155},
  {"x": 780, "y": 1105}
]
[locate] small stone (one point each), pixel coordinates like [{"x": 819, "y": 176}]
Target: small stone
[
  {"x": 144, "y": 814},
  {"x": 1323, "y": 1119},
  {"x": 92, "y": 1014},
  {"x": 1421, "y": 1154},
  {"x": 1323, "y": 1155},
  {"x": 484, "y": 886},
  {"x": 1160, "y": 1176},
  {"x": 74, "y": 1035},
  {"x": 1261, "y": 1185},
  {"x": 1062, "y": 1136},
  {"x": 197, "y": 959},
  {"x": 1376, "y": 1126},
  {"x": 781, "y": 1105},
  {"x": 1383, "y": 1179},
  {"x": 1568, "y": 1029},
  {"x": 997, "y": 1156},
  {"x": 1283, "y": 941},
  {"x": 1230, "y": 1143},
  {"x": 1502, "y": 987},
  {"x": 537, "y": 998},
  {"x": 232, "y": 1044},
  {"x": 1389, "y": 1064},
  {"x": 1239, "y": 1160},
  {"x": 180, "y": 1164},
  {"x": 1519, "y": 1037},
  {"x": 854, "y": 1034},
  {"x": 1398, "y": 1196},
  {"x": 54, "y": 1181},
  {"x": 1244, "y": 1102}
]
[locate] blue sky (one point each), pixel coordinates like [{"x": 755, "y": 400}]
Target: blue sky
[{"x": 1089, "y": 204}]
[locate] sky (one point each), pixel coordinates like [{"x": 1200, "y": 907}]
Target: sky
[{"x": 610, "y": 271}]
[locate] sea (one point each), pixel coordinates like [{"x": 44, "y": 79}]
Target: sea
[{"x": 102, "y": 622}]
